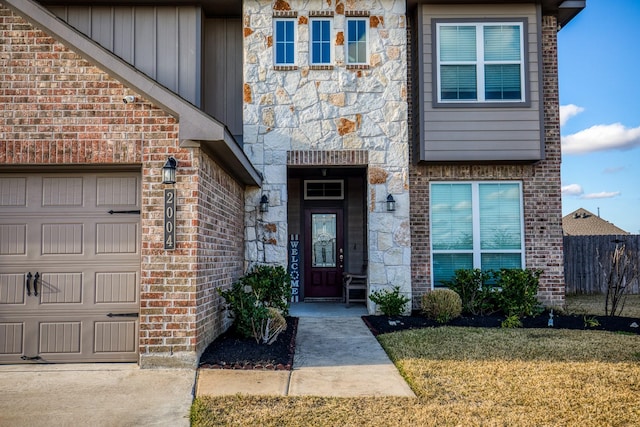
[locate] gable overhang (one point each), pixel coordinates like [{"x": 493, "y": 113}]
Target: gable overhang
[
  {"x": 197, "y": 129},
  {"x": 564, "y": 10}
]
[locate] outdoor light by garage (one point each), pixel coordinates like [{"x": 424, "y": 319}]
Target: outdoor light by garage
[
  {"x": 169, "y": 171},
  {"x": 391, "y": 203}
]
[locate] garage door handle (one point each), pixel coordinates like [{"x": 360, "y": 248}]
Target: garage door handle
[
  {"x": 35, "y": 284},
  {"x": 28, "y": 284},
  {"x": 122, "y": 315}
]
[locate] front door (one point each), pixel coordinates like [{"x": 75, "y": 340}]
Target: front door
[{"x": 324, "y": 253}]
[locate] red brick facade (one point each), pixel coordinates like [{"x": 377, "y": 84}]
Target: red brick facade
[
  {"x": 541, "y": 193},
  {"x": 58, "y": 111}
]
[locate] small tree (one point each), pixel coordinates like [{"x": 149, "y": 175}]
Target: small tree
[{"x": 622, "y": 272}]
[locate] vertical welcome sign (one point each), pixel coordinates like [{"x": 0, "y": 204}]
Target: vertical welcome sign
[{"x": 294, "y": 266}]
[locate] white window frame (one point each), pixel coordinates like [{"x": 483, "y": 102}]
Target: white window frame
[
  {"x": 480, "y": 62},
  {"x": 477, "y": 251},
  {"x": 347, "y": 41},
  {"x": 311, "y": 41},
  {"x": 294, "y": 41}
]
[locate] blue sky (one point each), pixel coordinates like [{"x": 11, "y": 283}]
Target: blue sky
[{"x": 599, "y": 65}]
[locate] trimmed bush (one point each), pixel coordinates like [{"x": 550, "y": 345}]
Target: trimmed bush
[
  {"x": 519, "y": 290},
  {"x": 390, "y": 303},
  {"x": 441, "y": 305}
]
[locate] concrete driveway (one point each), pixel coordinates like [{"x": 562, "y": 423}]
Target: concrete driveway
[{"x": 110, "y": 395}]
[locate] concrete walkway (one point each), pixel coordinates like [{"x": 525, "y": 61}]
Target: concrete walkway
[
  {"x": 335, "y": 356},
  {"x": 101, "y": 395}
]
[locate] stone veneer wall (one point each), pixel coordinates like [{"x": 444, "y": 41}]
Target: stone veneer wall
[
  {"x": 324, "y": 110},
  {"x": 541, "y": 193},
  {"x": 60, "y": 111}
]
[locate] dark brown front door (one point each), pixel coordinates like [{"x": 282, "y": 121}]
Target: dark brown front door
[{"x": 324, "y": 253}]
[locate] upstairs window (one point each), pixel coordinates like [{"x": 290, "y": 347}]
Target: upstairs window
[
  {"x": 475, "y": 225},
  {"x": 480, "y": 62},
  {"x": 356, "y": 40},
  {"x": 320, "y": 40},
  {"x": 284, "y": 41}
]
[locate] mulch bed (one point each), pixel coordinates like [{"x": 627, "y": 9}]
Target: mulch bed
[
  {"x": 383, "y": 324},
  {"x": 230, "y": 351}
]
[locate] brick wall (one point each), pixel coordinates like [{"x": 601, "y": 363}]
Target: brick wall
[
  {"x": 59, "y": 110},
  {"x": 541, "y": 193}
]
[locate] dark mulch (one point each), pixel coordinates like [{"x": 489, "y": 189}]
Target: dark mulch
[
  {"x": 383, "y": 324},
  {"x": 230, "y": 351}
]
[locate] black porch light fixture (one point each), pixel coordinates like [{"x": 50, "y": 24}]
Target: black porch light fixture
[
  {"x": 391, "y": 203},
  {"x": 169, "y": 171},
  {"x": 264, "y": 203}
]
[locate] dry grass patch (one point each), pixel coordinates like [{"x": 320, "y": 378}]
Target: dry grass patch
[
  {"x": 472, "y": 377},
  {"x": 594, "y": 305}
]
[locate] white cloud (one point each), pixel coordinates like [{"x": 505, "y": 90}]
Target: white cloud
[
  {"x": 601, "y": 138},
  {"x": 601, "y": 195},
  {"x": 568, "y": 111},
  {"x": 572, "y": 190}
]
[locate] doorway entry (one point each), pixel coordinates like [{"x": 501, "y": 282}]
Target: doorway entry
[{"x": 327, "y": 213}]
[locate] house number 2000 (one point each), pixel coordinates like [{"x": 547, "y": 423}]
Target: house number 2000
[{"x": 170, "y": 218}]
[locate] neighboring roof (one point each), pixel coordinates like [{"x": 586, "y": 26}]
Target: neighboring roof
[
  {"x": 197, "y": 129},
  {"x": 581, "y": 222}
]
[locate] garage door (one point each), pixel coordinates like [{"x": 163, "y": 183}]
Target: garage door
[{"x": 69, "y": 267}]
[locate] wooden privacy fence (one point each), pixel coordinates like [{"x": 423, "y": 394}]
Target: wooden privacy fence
[{"x": 582, "y": 272}]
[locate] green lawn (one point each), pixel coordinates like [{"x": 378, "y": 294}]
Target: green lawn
[{"x": 473, "y": 377}]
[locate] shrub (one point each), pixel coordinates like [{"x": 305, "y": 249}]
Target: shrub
[
  {"x": 442, "y": 305},
  {"x": 477, "y": 296},
  {"x": 271, "y": 284},
  {"x": 512, "y": 321},
  {"x": 391, "y": 303},
  {"x": 519, "y": 289},
  {"x": 253, "y": 300},
  {"x": 268, "y": 330}
]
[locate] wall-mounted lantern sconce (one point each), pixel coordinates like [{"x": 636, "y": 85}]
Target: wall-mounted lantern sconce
[
  {"x": 391, "y": 203},
  {"x": 264, "y": 203},
  {"x": 169, "y": 171}
]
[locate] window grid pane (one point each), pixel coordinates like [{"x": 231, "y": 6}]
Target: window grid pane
[
  {"x": 445, "y": 265},
  {"x": 457, "y": 43},
  {"x": 500, "y": 216},
  {"x": 320, "y": 42},
  {"x": 285, "y": 42},
  {"x": 451, "y": 217},
  {"x": 356, "y": 41}
]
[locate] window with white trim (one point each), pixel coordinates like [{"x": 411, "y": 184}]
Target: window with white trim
[
  {"x": 480, "y": 62},
  {"x": 356, "y": 40},
  {"x": 284, "y": 41},
  {"x": 475, "y": 225},
  {"x": 320, "y": 41}
]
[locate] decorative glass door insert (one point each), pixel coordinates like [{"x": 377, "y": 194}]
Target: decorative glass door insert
[{"x": 323, "y": 243}]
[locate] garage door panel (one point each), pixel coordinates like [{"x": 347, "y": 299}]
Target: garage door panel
[
  {"x": 13, "y": 237},
  {"x": 62, "y": 191},
  {"x": 59, "y": 337},
  {"x": 116, "y": 238},
  {"x": 113, "y": 337},
  {"x": 61, "y": 288},
  {"x": 13, "y": 191},
  {"x": 117, "y": 191},
  {"x": 11, "y": 338},
  {"x": 116, "y": 287},
  {"x": 62, "y": 239},
  {"x": 12, "y": 289}
]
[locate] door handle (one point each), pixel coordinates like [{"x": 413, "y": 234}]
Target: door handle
[
  {"x": 35, "y": 284},
  {"x": 28, "y": 284}
]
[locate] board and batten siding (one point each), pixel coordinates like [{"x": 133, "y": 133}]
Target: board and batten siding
[
  {"x": 223, "y": 72},
  {"x": 164, "y": 42},
  {"x": 483, "y": 133}
]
